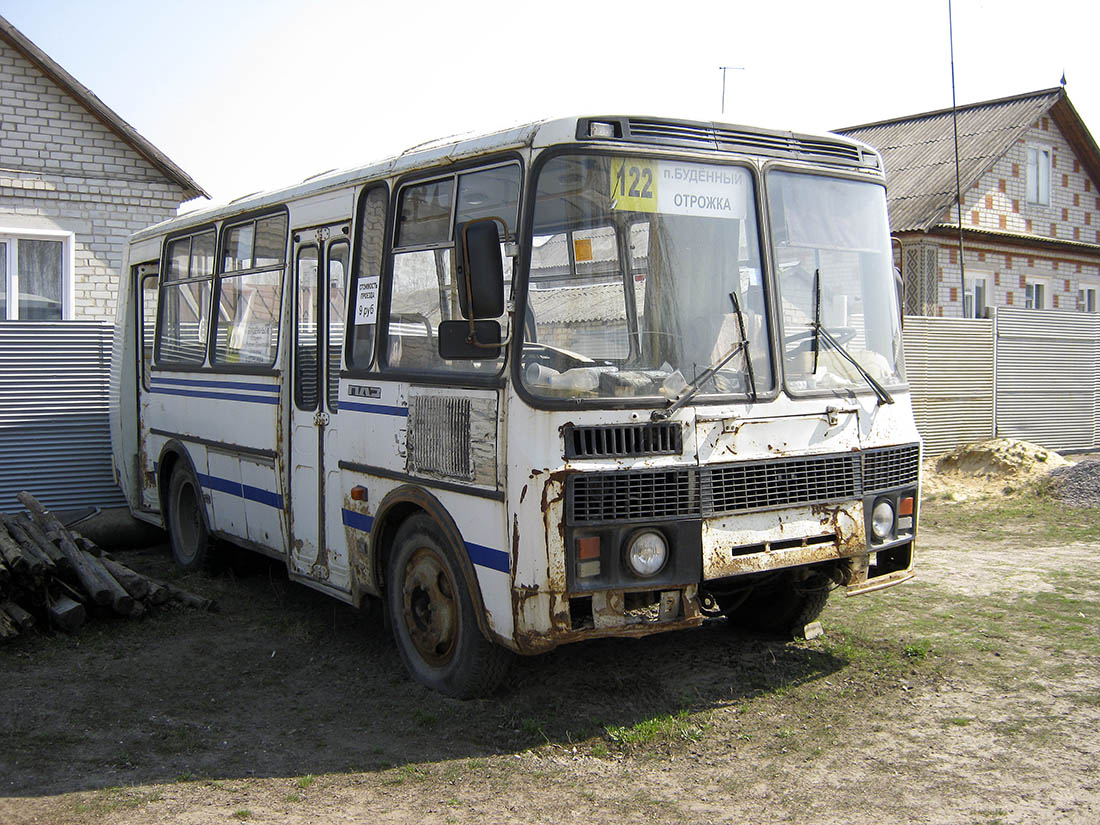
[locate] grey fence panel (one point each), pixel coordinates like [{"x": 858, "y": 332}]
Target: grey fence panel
[
  {"x": 1048, "y": 377},
  {"x": 949, "y": 364},
  {"x": 54, "y": 436}
]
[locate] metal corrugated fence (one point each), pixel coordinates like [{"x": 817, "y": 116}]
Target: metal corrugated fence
[
  {"x": 1048, "y": 377},
  {"x": 1028, "y": 374},
  {"x": 54, "y": 436},
  {"x": 949, "y": 363}
]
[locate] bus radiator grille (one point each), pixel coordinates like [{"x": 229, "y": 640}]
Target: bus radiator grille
[{"x": 703, "y": 492}]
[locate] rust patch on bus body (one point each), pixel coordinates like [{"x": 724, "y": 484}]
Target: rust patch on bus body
[{"x": 360, "y": 554}]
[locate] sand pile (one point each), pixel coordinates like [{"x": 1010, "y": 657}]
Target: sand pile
[{"x": 995, "y": 467}]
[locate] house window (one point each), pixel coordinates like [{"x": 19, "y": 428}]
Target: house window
[
  {"x": 1036, "y": 297},
  {"x": 976, "y": 297},
  {"x": 35, "y": 276},
  {"x": 1086, "y": 298},
  {"x": 1038, "y": 175}
]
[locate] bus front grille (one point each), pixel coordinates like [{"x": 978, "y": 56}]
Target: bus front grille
[
  {"x": 767, "y": 484},
  {"x": 703, "y": 492},
  {"x": 890, "y": 467}
]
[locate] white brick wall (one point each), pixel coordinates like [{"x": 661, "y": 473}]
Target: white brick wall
[
  {"x": 998, "y": 203},
  {"x": 61, "y": 168}
]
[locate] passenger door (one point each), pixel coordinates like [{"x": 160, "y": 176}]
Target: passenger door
[{"x": 317, "y": 549}]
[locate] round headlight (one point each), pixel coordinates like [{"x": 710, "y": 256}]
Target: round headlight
[
  {"x": 647, "y": 553},
  {"x": 882, "y": 520}
]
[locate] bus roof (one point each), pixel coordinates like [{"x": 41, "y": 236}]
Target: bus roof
[{"x": 703, "y": 136}]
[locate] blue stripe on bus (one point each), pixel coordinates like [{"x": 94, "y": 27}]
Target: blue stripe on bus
[
  {"x": 233, "y": 385},
  {"x": 359, "y": 521},
  {"x": 479, "y": 554},
  {"x": 377, "y": 409},
  {"x": 253, "y": 399},
  {"x": 489, "y": 557},
  {"x": 245, "y": 491}
]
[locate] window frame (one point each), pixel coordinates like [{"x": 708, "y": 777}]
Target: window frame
[
  {"x": 971, "y": 278},
  {"x": 356, "y": 273},
  {"x": 1083, "y": 288},
  {"x": 221, "y": 274},
  {"x": 1031, "y": 283},
  {"x": 439, "y": 377},
  {"x": 11, "y": 237},
  {"x": 1041, "y": 150},
  {"x": 192, "y": 232}
]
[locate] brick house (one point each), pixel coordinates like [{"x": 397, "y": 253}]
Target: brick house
[
  {"x": 1029, "y": 172},
  {"x": 75, "y": 181}
]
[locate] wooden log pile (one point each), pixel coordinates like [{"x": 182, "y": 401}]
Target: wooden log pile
[{"x": 52, "y": 577}]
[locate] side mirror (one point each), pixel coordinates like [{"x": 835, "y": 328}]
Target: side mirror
[
  {"x": 479, "y": 272},
  {"x": 457, "y": 342}
]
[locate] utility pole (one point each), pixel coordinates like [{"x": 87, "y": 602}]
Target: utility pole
[{"x": 725, "y": 69}]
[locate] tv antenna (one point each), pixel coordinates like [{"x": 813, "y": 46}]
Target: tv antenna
[{"x": 725, "y": 69}]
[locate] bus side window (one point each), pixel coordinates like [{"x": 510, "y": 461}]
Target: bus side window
[
  {"x": 250, "y": 291},
  {"x": 148, "y": 315},
  {"x": 367, "y": 276},
  {"x": 184, "y": 308},
  {"x": 423, "y": 291}
]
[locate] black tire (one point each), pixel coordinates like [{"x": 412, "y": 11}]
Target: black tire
[
  {"x": 187, "y": 530},
  {"x": 432, "y": 616},
  {"x": 783, "y": 606}
]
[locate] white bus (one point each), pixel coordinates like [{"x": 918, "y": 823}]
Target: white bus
[{"x": 589, "y": 377}]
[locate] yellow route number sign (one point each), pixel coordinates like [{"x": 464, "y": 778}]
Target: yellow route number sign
[{"x": 634, "y": 184}]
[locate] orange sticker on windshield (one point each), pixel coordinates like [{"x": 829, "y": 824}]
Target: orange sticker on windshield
[{"x": 582, "y": 249}]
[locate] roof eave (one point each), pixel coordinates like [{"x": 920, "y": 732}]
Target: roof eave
[{"x": 100, "y": 110}]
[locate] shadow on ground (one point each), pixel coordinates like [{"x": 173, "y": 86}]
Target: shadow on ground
[{"x": 284, "y": 681}]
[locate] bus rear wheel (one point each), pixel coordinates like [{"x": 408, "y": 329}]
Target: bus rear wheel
[
  {"x": 187, "y": 532},
  {"x": 432, "y": 616}
]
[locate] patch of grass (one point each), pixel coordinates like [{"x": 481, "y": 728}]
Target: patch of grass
[
  {"x": 304, "y": 782},
  {"x": 425, "y": 718},
  {"x": 959, "y": 721},
  {"x": 682, "y": 726},
  {"x": 242, "y": 814},
  {"x": 292, "y": 797},
  {"x": 918, "y": 650},
  {"x": 111, "y": 800},
  {"x": 1009, "y": 516}
]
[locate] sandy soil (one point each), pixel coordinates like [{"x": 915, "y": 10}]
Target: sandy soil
[{"x": 971, "y": 695}]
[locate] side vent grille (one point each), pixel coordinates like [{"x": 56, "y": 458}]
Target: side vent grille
[
  {"x": 623, "y": 440},
  {"x": 439, "y": 436}
]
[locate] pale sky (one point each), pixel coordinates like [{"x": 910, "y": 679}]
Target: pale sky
[{"x": 248, "y": 95}]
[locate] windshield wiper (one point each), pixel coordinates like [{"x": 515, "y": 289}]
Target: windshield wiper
[
  {"x": 821, "y": 332},
  {"x": 692, "y": 389}
]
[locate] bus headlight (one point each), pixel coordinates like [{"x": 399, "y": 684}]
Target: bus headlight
[
  {"x": 882, "y": 520},
  {"x": 647, "y": 553}
]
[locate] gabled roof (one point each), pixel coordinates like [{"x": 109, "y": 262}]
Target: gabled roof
[
  {"x": 100, "y": 110},
  {"x": 919, "y": 150}
]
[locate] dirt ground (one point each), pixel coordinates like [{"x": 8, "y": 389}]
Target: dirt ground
[{"x": 970, "y": 695}]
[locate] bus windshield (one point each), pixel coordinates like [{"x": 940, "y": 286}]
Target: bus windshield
[
  {"x": 836, "y": 286},
  {"x": 644, "y": 274}
]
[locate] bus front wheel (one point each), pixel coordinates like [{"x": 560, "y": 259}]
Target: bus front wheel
[
  {"x": 432, "y": 615},
  {"x": 187, "y": 533},
  {"x": 784, "y": 606}
]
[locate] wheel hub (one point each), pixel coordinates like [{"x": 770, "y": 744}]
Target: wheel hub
[{"x": 430, "y": 608}]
